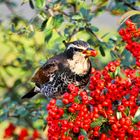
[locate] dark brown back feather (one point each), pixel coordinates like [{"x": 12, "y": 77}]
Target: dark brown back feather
[{"x": 53, "y": 65}]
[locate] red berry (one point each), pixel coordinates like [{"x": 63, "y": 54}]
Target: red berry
[
  {"x": 81, "y": 137},
  {"x": 76, "y": 129},
  {"x": 121, "y": 108},
  {"x": 65, "y": 101}
]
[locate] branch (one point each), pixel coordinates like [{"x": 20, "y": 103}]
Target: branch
[
  {"x": 89, "y": 30},
  {"x": 133, "y": 7}
]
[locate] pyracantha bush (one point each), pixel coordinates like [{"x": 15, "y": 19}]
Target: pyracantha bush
[
  {"x": 106, "y": 111},
  {"x": 21, "y": 133},
  {"x": 131, "y": 35}
]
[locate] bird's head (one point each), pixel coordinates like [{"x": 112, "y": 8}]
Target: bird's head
[{"x": 79, "y": 48}]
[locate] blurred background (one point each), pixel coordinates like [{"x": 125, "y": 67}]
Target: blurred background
[
  {"x": 31, "y": 31},
  {"x": 105, "y": 21}
]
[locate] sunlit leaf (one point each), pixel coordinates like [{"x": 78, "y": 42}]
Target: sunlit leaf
[
  {"x": 119, "y": 115},
  {"x": 76, "y": 17},
  {"x": 117, "y": 72},
  {"x": 137, "y": 115},
  {"x": 128, "y": 15},
  {"x": 40, "y": 3},
  {"x": 138, "y": 73}
]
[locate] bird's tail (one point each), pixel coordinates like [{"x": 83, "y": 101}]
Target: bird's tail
[{"x": 30, "y": 94}]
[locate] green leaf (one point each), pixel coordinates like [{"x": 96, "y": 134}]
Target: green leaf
[
  {"x": 43, "y": 25},
  {"x": 138, "y": 73},
  {"x": 66, "y": 116},
  {"x": 3, "y": 117},
  {"x": 113, "y": 38},
  {"x": 31, "y": 4},
  {"x": 21, "y": 111},
  {"x": 76, "y": 99},
  {"x": 117, "y": 72},
  {"x": 17, "y": 82},
  {"x": 101, "y": 50},
  {"x": 137, "y": 116},
  {"x": 127, "y": 111},
  {"x": 106, "y": 34},
  {"x": 40, "y": 3},
  {"x": 84, "y": 12},
  {"x": 94, "y": 29},
  {"x": 57, "y": 20},
  {"x": 76, "y": 17},
  {"x": 119, "y": 115},
  {"x": 6, "y": 100},
  {"x": 48, "y": 35},
  {"x": 83, "y": 132},
  {"x": 98, "y": 122},
  {"x": 128, "y": 15},
  {"x": 113, "y": 54}
]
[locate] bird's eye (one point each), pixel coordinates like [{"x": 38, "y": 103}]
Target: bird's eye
[{"x": 78, "y": 50}]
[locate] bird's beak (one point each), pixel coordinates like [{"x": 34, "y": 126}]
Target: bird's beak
[{"x": 90, "y": 52}]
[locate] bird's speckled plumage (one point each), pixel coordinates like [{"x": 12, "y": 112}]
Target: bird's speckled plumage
[{"x": 71, "y": 66}]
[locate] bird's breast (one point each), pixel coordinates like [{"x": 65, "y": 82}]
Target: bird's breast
[{"x": 79, "y": 67}]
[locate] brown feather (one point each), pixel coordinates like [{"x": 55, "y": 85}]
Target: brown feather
[
  {"x": 50, "y": 67},
  {"x": 43, "y": 74}
]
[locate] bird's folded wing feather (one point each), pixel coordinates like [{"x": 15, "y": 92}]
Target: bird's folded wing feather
[{"x": 42, "y": 76}]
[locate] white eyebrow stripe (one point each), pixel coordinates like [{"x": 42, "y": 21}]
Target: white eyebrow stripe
[{"x": 75, "y": 46}]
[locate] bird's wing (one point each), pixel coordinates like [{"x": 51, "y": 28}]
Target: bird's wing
[
  {"x": 43, "y": 74},
  {"x": 54, "y": 64}
]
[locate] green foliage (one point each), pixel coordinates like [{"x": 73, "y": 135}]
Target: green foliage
[{"x": 98, "y": 122}]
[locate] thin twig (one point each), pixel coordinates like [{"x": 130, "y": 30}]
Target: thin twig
[
  {"x": 131, "y": 6},
  {"x": 9, "y": 7}
]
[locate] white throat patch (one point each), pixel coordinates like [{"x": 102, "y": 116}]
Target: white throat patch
[{"x": 79, "y": 64}]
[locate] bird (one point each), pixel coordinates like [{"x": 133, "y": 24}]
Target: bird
[{"x": 72, "y": 66}]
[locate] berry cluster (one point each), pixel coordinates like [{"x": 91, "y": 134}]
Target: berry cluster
[
  {"x": 10, "y": 132},
  {"x": 105, "y": 112},
  {"x": 131, "y": 35}
]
